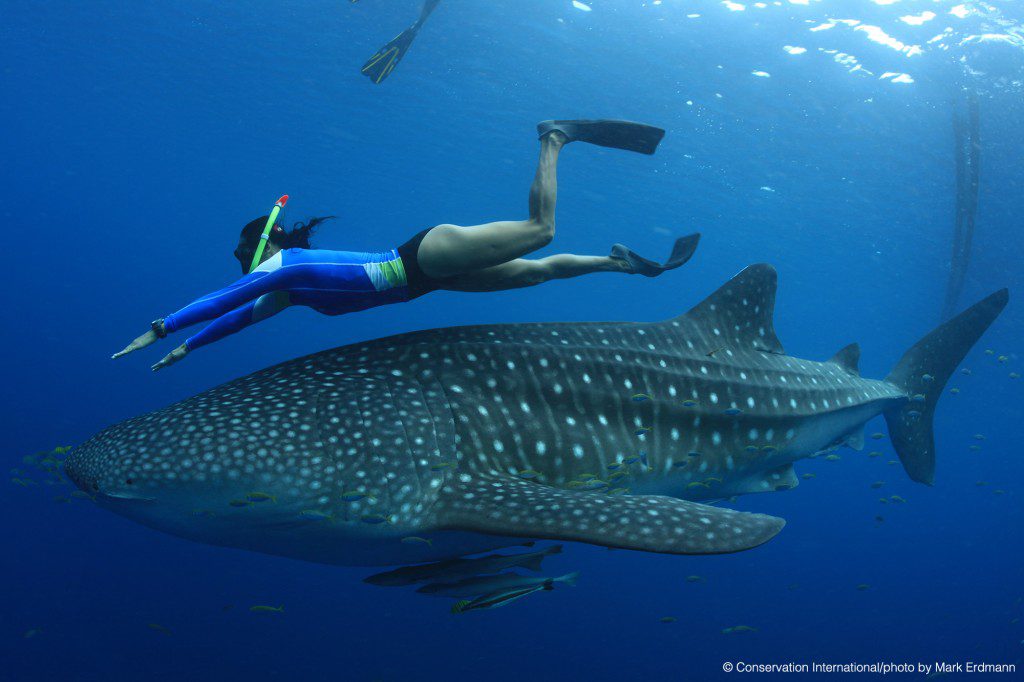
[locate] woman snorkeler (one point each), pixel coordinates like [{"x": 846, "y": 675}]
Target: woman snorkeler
[{"x": 280, "y": 268}]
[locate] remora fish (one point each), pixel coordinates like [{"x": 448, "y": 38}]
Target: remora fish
[
  {"x": 501, "y": 597},
  {"x": 379, "y": 415},
  {"x": 454, "y": 569},
  {"x": 489, "y": 584}
]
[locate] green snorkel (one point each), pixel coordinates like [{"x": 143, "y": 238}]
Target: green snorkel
[{"x": 266, "y": 231}]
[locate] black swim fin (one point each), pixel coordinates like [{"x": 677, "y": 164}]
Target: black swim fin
[
  {"x": 634, "y": 137},
  {"x": 682, "y": 251},
  {"x": 383, "y": 62}
]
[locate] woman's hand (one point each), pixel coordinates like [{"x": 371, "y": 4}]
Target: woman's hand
[
  {"x": 146, "y": 339},
  {"x": 172, "y": 357}
]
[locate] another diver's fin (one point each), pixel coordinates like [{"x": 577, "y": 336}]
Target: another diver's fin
[
  {"x": 739, "y": 314},
  {"x": 682, "y": 251},
  {"x": 848, "y": 358},
  {"x": 923, "y": 370},
  {"x": 633, "y": 137},
  {"x": 513, "y": 507},
  {"x": 383, "y": 62}
]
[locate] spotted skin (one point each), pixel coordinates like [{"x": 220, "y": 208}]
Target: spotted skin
[{"x": 426, "y": 433}]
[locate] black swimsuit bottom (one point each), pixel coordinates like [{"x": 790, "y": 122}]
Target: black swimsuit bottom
[{"x": 418, "y": 282}]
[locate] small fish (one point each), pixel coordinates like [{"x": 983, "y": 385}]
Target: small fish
[
  {"x": 693, "y": 454},
  {"x": 862, "y": 587},
  {"x": 807, "y": 477},
  {"x": 642, "y": 431},
  {"x": 441, "y": 466},
  {"x": 374, "y": 519},
  {"x": 974, "y": 448},
  {"x": 769, "y": 449},
  {"x": 966, "y": 372},
  {"x": 354, "y": 496},
  {"x": 875, "y": 453},
  {"x": 416, "y": 540},
  {"x": 732, "y": 411},
  {"x": 260, "y": 608},
  {"x": 989, "y": 351},
  {"x": 981, "y": 483},
  {"x": 833, "y": 458},
  {"x": 240, "y": 503},
  {"x": 617, "y": 476},
  {"x": 681, "y": 463},
  {"x": 998, "y": 491},
  {"x": 695, "y": 579},
  {"x": 713, "y": 479},
  {"x": 640, "y": 397},
  {"x": 711, "y": 354},
  {"x": 913, "y": 414},
  {"x": 476, "y": 585},
  {"x": 260, "y": 497},
  {"x": 979, "y": 436},
  {"x": 917, "y": 398},
  {"x": 880, "y": 518},
  {"x": 314, "y": 515},
  {"x": 738, "y": 628},
  {"x": 667, "y": 619},
  {"x": 892, "y": 462},
  {"x": 452, "y": 570},
  {"x": 877, "y": 484},
  {"x": 529, "y": 474},
  {"x": 954, "y": 390},
  {"x": 783, "y": 486},
  {"x": 878, "y": 435},
  {"x": 501, "y": 597},
  {"x": 158, "y": 628},
  {"x": 751, "y": 448},
  {"x": 632, "y": 459},
  {"x": 1002, "y": 358},
  {"x": 587, "y": 477},
  {"x": 883, "y": 500},
  {"x": 1014, "y": 375},
  {"x": 614, "y": 466},
  {"x": 689, "y": 403},
  {"x": 927, "y": 377},
  {"x": 619, "y": 491},
  {"x": 696, "y": 484},
  {"x": 897, "y": 499}
]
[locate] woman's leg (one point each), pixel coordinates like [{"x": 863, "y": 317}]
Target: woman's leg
[
  {"x": 527, "y": 273},
  {"x": 451, "y": 250}
]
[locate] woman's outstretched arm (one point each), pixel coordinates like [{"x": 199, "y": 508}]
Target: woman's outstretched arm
[
  {"x": 229, "y": 323},
  {"x": 209, "y": 307}
]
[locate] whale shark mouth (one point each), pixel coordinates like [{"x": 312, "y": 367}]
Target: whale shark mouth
[{"x": 129, "y": 497}]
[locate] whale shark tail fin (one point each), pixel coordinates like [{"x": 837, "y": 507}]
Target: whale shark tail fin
[{"x": 922, "y": 374}]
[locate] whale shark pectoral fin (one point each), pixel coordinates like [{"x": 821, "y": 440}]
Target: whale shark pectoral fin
[
  {"x": 651, "y": 523},
  {"x": 741, "y": 312}
]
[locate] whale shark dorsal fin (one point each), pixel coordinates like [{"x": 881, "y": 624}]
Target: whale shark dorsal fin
[
  {"x": 740, "y": 313},
  {"x": 500, "y": 505},
  {"x": 848, "y": 358}
]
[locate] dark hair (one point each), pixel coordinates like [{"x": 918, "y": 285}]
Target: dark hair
[{"x": 297, "y": 238}]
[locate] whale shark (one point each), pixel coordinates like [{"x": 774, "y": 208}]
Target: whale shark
[{"x": 468, "y": 439}]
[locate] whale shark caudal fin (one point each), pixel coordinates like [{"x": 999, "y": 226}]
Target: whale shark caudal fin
[
  {"x": 651, "y": 523},
  {"x": 739, "y": 315},
  {"x": 923, "y": 371}
]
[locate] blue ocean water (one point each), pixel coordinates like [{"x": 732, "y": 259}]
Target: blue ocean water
[{"x": 139, "y": 137}]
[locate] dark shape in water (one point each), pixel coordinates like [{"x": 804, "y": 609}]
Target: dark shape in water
[
  {"x": 968, "y": 162},
  {"x": 378, "y": 67}
]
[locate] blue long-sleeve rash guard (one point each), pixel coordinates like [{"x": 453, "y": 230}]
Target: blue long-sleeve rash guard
[{"x": 330, "y": 282}]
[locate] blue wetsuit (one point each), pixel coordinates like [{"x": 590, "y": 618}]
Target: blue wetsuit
[{"x": 330, "y": 282}]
